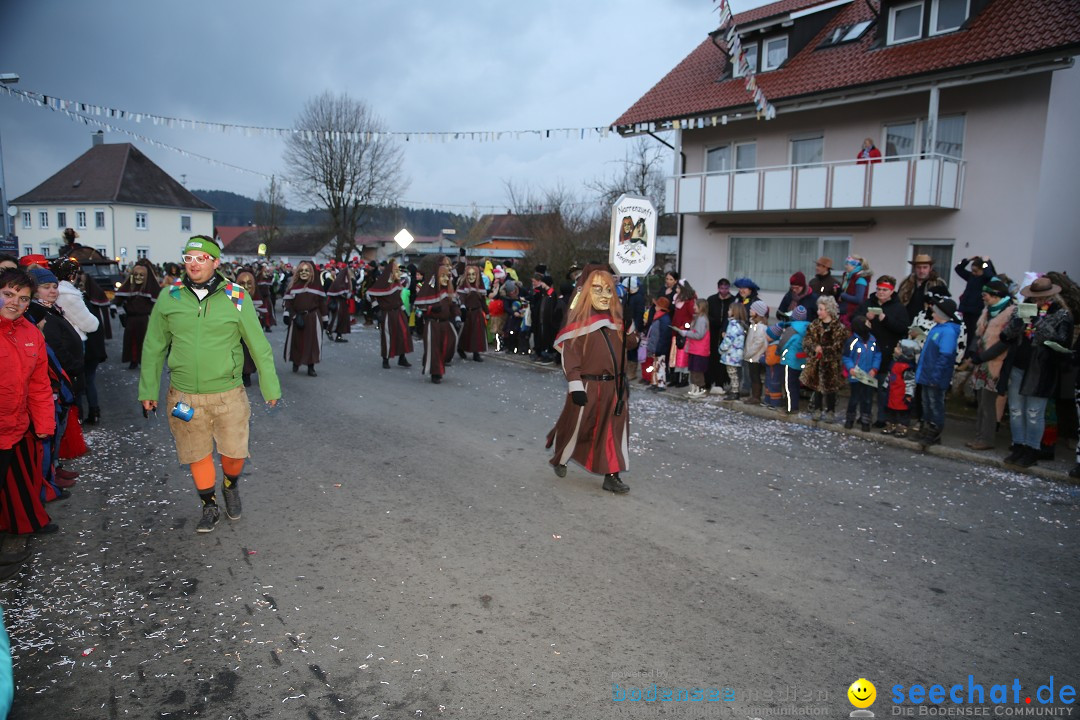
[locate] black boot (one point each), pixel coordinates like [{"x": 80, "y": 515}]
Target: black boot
[
  {"x": 403, "y": 361},
  {"x": 1029, "y": 458},
  {"x": 436, "y": 379},
  {"x": 94, "y": 416},
  {"x": 462, "y": 354},
  {"x": 386, "y": 363},
  {"x": 1016, "y": 452},
  {"x": 476, "y": 357},
  {"x": 932, "y": 435},
  {"x": 340, "y": 339},
  {"x": 311, "y": 371},
  {"x": 296, "y": 367},
  {"x": 613, "y": 483}
]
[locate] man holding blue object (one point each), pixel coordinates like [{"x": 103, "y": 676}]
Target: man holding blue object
[{"x": 200, "y": 321}]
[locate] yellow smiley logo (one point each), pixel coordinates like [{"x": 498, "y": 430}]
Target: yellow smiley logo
[{"x": 862, "y": 693}]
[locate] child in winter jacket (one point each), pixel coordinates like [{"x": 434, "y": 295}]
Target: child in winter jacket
[
  {"x": 824, "y": 344},
  {"x": 757, "y": 342},
  {"x": 900, "y": 389},
  {"x": 731, "y": 349},
  {"x": 935, "y": 369},
  {"x": 792, "y": 357},
  {"x": 861, "y": 361},
  {"x": 697, "y": 348},
  {"x": 658, "y": 342}
]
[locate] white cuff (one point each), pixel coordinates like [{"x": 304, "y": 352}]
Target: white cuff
[{"x": 577, "y": 386}]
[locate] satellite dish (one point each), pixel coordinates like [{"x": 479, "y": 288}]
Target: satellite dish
[{"x": 12, "y": 210}]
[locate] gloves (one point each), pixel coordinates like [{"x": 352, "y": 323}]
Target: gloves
[
  {"x": 976, "y": 358},
  {"x": 287, "y": 320},
  {"x": 579, "y": 398}
]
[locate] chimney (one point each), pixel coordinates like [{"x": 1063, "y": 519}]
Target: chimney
[{"x": 97, "y": 138}]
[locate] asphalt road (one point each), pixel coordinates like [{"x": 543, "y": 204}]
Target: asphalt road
[{"x": 406, "y": 551}]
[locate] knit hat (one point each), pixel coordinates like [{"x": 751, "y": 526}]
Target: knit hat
[
  {"x": 997, "y": 288},
  {"x": 799, "y": 313},
  {"x": 746, "y": 282},
  {"x": 205, "y": 244},
  {"x": 946, "y": 308},
  {"x": 797, "y": 279},
  {"x": 909, "y": 349},
  {"x": 42, "y": 275},
  {"x": 759, "y": 308},
  {"x": 860, "y": 327},
  {"x": 663, "y": 303}
]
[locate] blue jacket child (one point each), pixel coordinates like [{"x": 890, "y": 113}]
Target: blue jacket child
[
  {"x": 938, "y": 356},
  {"x": 862, "y": 354}
]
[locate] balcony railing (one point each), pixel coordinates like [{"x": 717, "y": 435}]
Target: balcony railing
[{"x": 908, "y": 181}]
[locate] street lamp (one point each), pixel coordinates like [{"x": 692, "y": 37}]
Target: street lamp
[{"x": 6, "y": 79}]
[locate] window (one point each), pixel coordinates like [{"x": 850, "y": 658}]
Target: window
[
  {"x": 950, "y": 137},
  {"x": 27, "y": 223},
  {"x": 807, "y": 151},
  {"x": 770, "y": 261},
  {"x": 900, "y": 139},
  {"x": 28, "y": 250},
  {"x": 99, "y": 219},
  {"x": 775, "y": 53},
  {"x": 61, "y": 219},
  {"x": 947, "y": 15},
  {"x": 905, "y": 22},
  {"x": 45, "y": 250},
  {"x": 80, "y": 219},
  {"x": 140, "y": 221},
  {"x": 718, "y": 159},
  {"x": 911, "y": 137},
  {"x": 185, "y": 223},
  {"x": 43, "y": 219},
  {"x": 846, "y": 33},
  {"x": 940, "y": 250},
  {"x": 745, "y": 156},
  {"x": 101, "y": 249},
  {"x": 751, "y": 59},
  {"x": 142, "y": 253}
]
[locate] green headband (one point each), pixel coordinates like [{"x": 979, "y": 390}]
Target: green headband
[{"x": 207, "y": 246}]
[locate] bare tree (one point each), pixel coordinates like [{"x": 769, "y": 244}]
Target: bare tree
[
  {"x": 340, "y": 158},
  {"x": 564, "y": 230},
  {"x": 270, "y": 215},
  {"x": 640, "y": 172}
]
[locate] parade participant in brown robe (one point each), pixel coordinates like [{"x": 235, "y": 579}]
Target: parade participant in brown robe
[
  {"x": 305, "y": 316},
  {"x": 134, "y": 301},
  {"x": 436, "y": 300},
  {"x": 338, "y": 294},
  {"x": 246, "y": 279},
  {"x": 473, "y": 297},
  {"x": 265, "y": 284},
  {"x": 394, "y": 338},
  {"x": 594, "y": 425}
]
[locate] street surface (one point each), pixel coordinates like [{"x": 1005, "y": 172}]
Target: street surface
[{"x": 406, "y": 551}]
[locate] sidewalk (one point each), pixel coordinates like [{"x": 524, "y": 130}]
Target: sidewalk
[{"x": 959, "y": 429}]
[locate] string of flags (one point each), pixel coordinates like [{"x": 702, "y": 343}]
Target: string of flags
[
  {"x": 738, "y": 56},
  {"x": 100, "y": 111}
]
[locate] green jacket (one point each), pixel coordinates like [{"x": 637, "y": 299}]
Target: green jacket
[{"x": 203, "y": 342}]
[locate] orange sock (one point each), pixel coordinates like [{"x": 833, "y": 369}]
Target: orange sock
[
  {"x": 205, "y": 474},
  {"x": 232, "y": 466}
]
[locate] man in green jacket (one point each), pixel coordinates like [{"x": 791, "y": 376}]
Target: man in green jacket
[{"x": 201, "y": 321}]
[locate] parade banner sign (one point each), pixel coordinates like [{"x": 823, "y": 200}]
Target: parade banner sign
[{"x": 633, "y": 236}]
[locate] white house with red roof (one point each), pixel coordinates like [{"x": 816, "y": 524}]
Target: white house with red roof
[{"x": 973, "y": 105}]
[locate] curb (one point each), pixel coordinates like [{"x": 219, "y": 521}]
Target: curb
[{"x": 943, "y": 451}]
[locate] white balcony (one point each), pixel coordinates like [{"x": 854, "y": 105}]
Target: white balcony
[{"x": 923, "y": 181}]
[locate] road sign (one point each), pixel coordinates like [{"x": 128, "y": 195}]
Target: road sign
[{"x": 633, "y": 236}]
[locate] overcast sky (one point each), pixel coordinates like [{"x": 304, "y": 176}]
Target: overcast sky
[{"x": 422, "y": 66}]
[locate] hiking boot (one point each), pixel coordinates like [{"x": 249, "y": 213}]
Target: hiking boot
[
  {"x": 1012, "y": 457},
  {"x": 311, "y": 371},
  {"x": 1028, "y": 458},
  {"x": 613, "y": 483},
  {"x": 210, "y": 515},
  {"x": 232, "y": 501}
]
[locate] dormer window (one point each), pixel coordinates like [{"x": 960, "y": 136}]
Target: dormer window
[
  {"x": 905, "y": 22},
  {"x": 776, "y": 52},
  {"x": 751, "y": 59},
  {"x": 948, "y": 15}
]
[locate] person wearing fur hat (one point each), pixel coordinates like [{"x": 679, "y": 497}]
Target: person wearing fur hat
[
  {"x": 306, "y": 314},
  {"x": 593, "y": 428},
  {"x": 854, "y": 286},
  {"x": 934, "y": 372},
  {"x": 394, "y": 337},
  {"x": 824, "y": 343},
  {"x": 923, "y": 279},
  {"x": 473, "y": 298},
  {"x": 440, "y": 307},
  {"x": 1040, "y": 333},
  {"x": 988, "y": 357},
  {"x": 338, "y": 297},
  {"x": 134, "y": 301}
]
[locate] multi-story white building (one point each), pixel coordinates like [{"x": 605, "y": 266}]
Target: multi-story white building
[
  {"x": 972, "y": 104},
  {"x": 120, "y": 203}
]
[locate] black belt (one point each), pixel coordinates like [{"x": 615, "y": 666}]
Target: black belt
[{"x": 598, "y": 377}]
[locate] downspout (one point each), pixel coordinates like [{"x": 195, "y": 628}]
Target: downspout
[{"x": 678, "y": 216}]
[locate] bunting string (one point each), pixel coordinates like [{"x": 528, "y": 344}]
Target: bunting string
[{"x": 737, "y": 53}]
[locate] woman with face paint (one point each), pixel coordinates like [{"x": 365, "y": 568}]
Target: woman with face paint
[
  {"x": 394, "y": 338},
  {"x": 593, "y": 428},
  {"x": 440, "y": 307},
  {"x": 473, "y": 297},
  {"x": 306, "y": 316},
  {"x": 134, "y": 301}
]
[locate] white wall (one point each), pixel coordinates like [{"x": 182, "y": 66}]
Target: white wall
[
  {"x": 1057, "y": 216},
  {"x": 163, "y": 237}
]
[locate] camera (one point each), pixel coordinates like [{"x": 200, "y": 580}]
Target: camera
[{"x": 183, "y": 411}]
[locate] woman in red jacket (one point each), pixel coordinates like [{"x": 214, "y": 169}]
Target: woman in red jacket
[{"x": 26, "y": 409}]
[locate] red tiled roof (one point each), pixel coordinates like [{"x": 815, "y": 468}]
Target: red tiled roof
[
  {"x": 1005, "y": 29},
  {"x": 228, "y": 233},
  {"x": 777, "y": 8}
]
